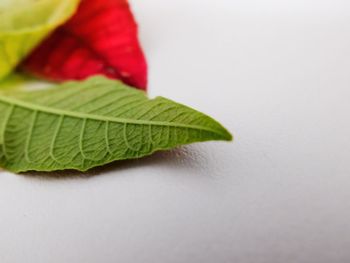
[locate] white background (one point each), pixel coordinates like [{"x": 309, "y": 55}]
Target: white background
[{"x": 275, "y": 73}]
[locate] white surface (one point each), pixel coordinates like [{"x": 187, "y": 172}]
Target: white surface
[{"x": 276, "y": 73}]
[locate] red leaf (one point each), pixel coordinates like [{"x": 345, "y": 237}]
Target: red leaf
[{"x": 101, "y": 38}]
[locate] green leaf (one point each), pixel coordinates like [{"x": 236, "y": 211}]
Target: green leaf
[
  {"x": 80, "y": 125},
  {"x": 25, "y": 23}
]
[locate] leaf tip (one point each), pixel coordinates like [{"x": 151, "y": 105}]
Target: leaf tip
[{"x": 226, "y": 135}]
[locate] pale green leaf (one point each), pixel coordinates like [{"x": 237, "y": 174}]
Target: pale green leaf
[
  {"x": 25, "y": 23},
  {"x": 80, "y": 125},
  {"x": 20, "y": 81}
]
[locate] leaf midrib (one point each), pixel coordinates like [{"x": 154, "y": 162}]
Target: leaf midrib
[{"x": 81, "y": 115}]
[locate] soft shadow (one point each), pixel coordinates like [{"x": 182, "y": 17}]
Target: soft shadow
[{"x": 181, "y": 158}]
